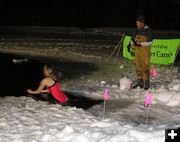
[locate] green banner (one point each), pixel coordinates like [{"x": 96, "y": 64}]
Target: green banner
[{"x": 162, "y": 51}]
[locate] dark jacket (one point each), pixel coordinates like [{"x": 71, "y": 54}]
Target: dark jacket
[{"x": 146, "y": 31}]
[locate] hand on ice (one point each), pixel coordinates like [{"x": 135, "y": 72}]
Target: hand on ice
[{"x": 29, "y": 91}]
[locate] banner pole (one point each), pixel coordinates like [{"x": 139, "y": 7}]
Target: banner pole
[
  {"x": 120, "y": 46},
  {"x": 177, "y": 52}
]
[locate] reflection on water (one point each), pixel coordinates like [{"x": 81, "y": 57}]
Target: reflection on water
[{"x": 16, "y": 77}]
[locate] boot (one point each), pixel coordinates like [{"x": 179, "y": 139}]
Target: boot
[
  {"x": 138, "y": 83},
  {"x": 146, "y": 84}
]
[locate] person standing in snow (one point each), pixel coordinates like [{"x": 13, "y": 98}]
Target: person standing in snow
[
  {"x": 49, "y": 87},
  {"x": 141, "y": 42}
]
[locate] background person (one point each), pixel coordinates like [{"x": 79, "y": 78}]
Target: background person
[{"x": 141, "y": 42}]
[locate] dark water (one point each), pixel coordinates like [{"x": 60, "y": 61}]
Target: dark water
[{"x": 16, "y": 78}]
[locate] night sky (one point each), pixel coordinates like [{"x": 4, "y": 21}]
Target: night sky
[{"x": 160, "y": 14}]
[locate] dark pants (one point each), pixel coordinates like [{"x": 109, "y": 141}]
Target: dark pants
[{"x": 47, "y": 97}]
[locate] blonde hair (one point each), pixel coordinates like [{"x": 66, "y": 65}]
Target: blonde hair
[{"x": 50, "y": 71}]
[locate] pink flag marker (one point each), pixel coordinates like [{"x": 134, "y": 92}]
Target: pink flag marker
[
  {"x": 148, "y": 100},
  {"x": 154, "y": 72},
  {"x": 106, "y": 94}
]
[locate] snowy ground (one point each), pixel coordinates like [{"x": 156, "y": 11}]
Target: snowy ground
[{"x": 22, "y": 119}]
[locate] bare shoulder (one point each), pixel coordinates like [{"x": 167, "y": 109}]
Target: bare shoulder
[{"x": 47, "y": 81}]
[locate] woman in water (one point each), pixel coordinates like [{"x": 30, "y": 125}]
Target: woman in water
[{"x": 50, "y": 86}]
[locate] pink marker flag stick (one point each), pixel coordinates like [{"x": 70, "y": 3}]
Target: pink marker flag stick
[
  {"x": 148, "y": 99},
  {"x": 106, "y": 94},
  {"x": 154, "y": 72},
  {"x": 147, "y": 103},
  {"x": 106, "y": 97}
]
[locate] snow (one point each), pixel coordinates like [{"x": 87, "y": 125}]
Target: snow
[
  {"x": 125, "y": 83},
  {"x": 24, "y": 119}
]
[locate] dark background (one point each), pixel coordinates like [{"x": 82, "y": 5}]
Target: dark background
[{"x": 160, "y": 14}]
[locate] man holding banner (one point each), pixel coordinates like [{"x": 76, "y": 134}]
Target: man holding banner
[{"x": 141, "y": 42}]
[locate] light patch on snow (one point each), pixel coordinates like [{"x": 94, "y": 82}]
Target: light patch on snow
[{"x": 125, "y": 83}]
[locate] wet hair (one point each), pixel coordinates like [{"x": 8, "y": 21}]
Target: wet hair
[
  {"x": 50, "y": 70},
  {"x": 141, "y": 19}
]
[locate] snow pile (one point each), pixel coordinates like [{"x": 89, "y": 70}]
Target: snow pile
[
  {"x": 169, "y": 96},
  {"x": 125, "y": 83},
  {"x": 23, "y": 119},
  {"x": 165, "y": 95}
]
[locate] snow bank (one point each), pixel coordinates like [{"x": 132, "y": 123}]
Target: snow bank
[
  {"x": 166, "y": 95},
  {"x": 23, "y": 119}
]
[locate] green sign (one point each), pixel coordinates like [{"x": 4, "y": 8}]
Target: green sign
[{"x": 162, "y": 51}]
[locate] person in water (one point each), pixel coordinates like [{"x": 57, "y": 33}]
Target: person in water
[{"x": 49, "y": 87}]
